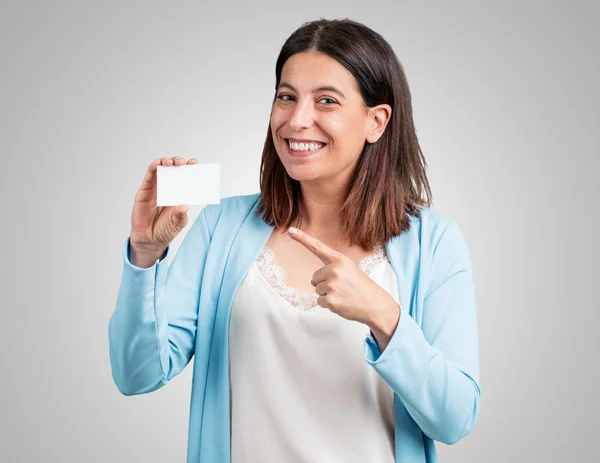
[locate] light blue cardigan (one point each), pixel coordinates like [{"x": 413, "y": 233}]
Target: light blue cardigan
[{"x": 165, "y": 315}]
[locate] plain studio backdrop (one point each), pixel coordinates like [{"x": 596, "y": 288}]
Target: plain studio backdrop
[{"x": 506, "y": 102}]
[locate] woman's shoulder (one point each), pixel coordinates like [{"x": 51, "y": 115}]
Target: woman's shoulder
[
  {"x": 431, "y": 223},
  {"x": 441, "y": 238},
  {"x": 436, "y": 233},
  {"x": 231, "y": 210},
  {"x": 230, "y": 206}
]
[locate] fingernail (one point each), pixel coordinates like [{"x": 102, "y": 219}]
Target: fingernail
[{"x": 293, "y": 231}]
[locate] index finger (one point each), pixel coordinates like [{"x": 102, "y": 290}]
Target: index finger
[
  {"x": 148, "y": 181},
  {"x": 318, "y": 248}
]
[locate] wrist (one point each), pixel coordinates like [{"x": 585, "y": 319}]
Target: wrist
[
  {"x": 145, "y": 256},
  {"x": 384, "y": 322}
]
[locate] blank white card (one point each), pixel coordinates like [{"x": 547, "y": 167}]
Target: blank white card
[{"x": 189, "y": 184}]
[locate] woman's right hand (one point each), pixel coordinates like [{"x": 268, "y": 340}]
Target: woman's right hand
[{"x": 154, "y": 227}]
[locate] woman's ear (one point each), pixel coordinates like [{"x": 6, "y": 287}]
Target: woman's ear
[{"x": 378, "y": 119}]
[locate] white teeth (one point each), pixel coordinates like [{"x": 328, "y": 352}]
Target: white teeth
[{"x": 305, "y": 146}]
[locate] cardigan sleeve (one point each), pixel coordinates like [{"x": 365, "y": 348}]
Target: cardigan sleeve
[
  {"x": 434, "y": 368},
  {"x": 152, "y": 329}
]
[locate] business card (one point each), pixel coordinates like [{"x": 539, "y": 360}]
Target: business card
[{"x": 190, "y": 184}]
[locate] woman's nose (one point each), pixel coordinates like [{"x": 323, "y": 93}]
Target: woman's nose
[{"x": 302, "y": 116}]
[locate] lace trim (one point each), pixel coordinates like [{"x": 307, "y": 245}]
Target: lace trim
[{"x": 275, "y": 276}]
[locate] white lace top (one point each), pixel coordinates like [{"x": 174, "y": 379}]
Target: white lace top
[{"x": 301, "y": 390}]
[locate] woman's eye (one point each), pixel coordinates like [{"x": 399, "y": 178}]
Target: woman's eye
[
  {"x": 330, "y": 99},
  {"x": 286, "y": 97}
]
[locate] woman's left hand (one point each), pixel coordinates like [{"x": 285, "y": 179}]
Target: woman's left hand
[{"x": 344, "y": 288}]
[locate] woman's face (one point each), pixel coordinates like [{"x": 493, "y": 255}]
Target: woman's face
[{"x": 319, "y": 105}]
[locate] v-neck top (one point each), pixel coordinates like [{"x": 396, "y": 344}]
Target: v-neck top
[{"x": 300, "y": 388}]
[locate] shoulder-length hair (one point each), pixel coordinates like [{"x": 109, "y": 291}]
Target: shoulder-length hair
[{"x": 389, "y": 181}]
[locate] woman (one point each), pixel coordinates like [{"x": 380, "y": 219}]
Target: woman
[{"x": 352, "y": 339}]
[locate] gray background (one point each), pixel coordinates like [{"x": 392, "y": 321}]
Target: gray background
[{"x": 506, "y": 107}]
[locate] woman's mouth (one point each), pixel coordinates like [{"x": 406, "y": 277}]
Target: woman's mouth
[{"x": 302, "y": 150}]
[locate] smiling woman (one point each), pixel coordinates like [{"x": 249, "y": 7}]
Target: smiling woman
[
  {"x": 340, "y": 84},
  {"x": 351, "y": 336}
]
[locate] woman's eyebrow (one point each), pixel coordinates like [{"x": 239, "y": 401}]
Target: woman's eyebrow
[{"x": 323, "y": 88}]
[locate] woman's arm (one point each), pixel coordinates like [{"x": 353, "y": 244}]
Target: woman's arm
[
  {"x": 152, "y": 330},
  {"x": 434, "y": 369}
]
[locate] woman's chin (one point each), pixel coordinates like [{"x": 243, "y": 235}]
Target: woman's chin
[{"x": 301, "y": 174}]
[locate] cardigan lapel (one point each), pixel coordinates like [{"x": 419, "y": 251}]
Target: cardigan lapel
[
  {"x": 251, "y": 237},
  {"x": 408, "y": 436}
]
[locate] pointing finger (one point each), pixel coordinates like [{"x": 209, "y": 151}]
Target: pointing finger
[{"x": 318, "y": 248}]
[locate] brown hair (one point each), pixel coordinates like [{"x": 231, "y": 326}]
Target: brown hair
[{"x": 390, "y": 179}]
